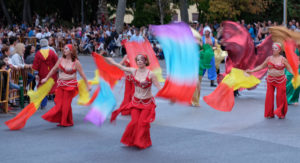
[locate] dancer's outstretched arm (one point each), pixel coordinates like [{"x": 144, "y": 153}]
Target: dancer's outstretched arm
[
  {"x": 263, "y": 65},
  {"x": 123, "y": 68},
  {"x": 53, "y": 70}
]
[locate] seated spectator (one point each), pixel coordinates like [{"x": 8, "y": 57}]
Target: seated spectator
[
  {"x": 12, "y": 44},
  {"x": 4, "y": 51},
  {"x": 3, "y": 81},
  {"x": 7, "y": 67},
  {"x": 17, "y": 60},
  {"x": 29, "y": 54},
  {"x": 12, "y": 85}
]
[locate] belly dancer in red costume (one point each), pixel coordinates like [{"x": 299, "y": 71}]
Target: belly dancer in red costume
[
  {"x": 129, "y": 88},
  {"x": 275, "y": 79},
  {"x": 142, "y": 105},
  {"x": 67, "y": 67}
]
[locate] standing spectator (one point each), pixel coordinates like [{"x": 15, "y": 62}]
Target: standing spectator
[
  {"x": 39, "y": 34},
  {"x": 297, "y": 27},
  {"x": 37, "y": 21},
  {"x": 137, "y": 37},
  {"x": 155, "y": 49},
  {"x": 243, "y": 23},
  {"x": 200, "y": 30},
  {"x": 251, "y": 31},
  {"x": 47, "y": 33},
  {"x": 291, "y": 26},
  {"x": 51, "y": 44},
  {"x": 44, "y": 61},
  {"x": 270, "y": 23},
  {"x": 264, "y": 31}
]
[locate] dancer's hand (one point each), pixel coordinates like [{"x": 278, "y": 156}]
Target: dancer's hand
[
  {"x": 110, "y": 60},
  {"x": 248, "y": 71},
  {"x": 89, "y": 87},
  {"x": 247, "y": 74},
  {"x": 173, "y": 101},
  {"x": 103, "y": 53},
  {"x": 44, "y": 80}
]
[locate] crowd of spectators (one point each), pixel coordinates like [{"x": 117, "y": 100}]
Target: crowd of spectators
[
  {"x": 257, "y": 30},
  {"x": 93, "y": 37},
  {"x": 19, "y": 43},
  {"x": 86, "y": 39}
]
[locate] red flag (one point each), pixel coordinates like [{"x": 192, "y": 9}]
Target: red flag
[
  {"x": 135, "y": 48},
  {"x": 290, "y": 48},
  {"x": 241, "y": 49},
  {"x": 108, "y": 72}
]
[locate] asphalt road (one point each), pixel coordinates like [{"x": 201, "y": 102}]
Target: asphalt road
[{"x": 179, "y": 134}]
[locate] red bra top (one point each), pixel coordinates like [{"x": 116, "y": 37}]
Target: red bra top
[
  {"x": 72, "y": 71},
  {"x": 271, "y": 65},
  {"x": 145, "y": 84}
]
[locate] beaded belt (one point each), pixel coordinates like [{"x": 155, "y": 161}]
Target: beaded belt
[
  {"x": 67, "y": 83},
  {"x": 145, "y": 102},
  {"x": 276, "y": 79}
]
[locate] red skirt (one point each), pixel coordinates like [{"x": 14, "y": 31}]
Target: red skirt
[
  {"x": 62, "y": 111},
  {"x": 137, "y": 132},
  {"x": 129, "y": 91}
]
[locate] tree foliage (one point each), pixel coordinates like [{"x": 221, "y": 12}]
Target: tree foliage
[
  {"x": 147, "y": 11},
  {"x": 202, "y": 6},
  {"x": 232, "y": 9}
]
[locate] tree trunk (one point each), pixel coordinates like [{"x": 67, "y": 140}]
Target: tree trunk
[
  {"x": 82, "y": 13},
  {"x": 5, "y": 12},
  {"x": 24, "y": 11},
  {"x": 184, "y": 10},
  {"x": 74, "y": 11},
  {"x": 161, "y": 12},
  {"x": 102, "y": 13},
  {"x": 120, "y": 15},
  {"x": 28, "y": 11}
]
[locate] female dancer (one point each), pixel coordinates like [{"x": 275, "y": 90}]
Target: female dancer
[
  {"x": 142, "y": 105},
  {"x": 129, "y": 88},
  {"x": 66, "y": 89},
  {"x": 275, "y": 79},
  {"x": 206, "y": 55}
]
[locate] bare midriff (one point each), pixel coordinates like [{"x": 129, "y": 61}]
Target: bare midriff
[{"x": 142, "y": 93}]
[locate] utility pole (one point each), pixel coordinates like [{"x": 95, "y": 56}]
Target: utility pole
[{"x": 285, "y": 12}]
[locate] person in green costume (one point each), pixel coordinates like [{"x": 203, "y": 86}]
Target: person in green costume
[
  {"x": 292, "y": 95},
  {"x": 206, "y": 54}
]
